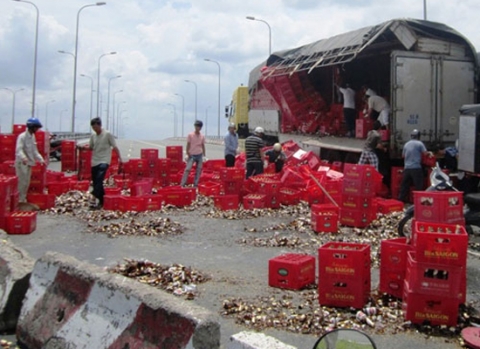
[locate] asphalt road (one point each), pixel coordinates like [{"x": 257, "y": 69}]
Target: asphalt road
[{"x": 210, "y": 245}]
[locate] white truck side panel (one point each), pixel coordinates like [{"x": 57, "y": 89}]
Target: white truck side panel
[
  {"x": 427, "y": 91},
  {"x": 269, "y": 119}
]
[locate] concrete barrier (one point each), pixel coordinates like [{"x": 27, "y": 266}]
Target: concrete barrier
[
  {"x": 15, "y": 269},
  {"x": 255, "y": 340},
  {"x": 76, "y": 305}
]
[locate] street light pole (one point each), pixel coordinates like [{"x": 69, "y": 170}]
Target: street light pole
[
  {"x": 193, "y": 82},
  {"x": 91, "y": 92},
  {"x": 206, "y": 121},
  {"x": 174, "y": 119},
  {"x": 14, "y": 92},
  {"x": 46, "y": 113},
  {"x": 183, "y": 111},
  {"x": 75, "y": 59},
  {"x": 108, "y": 98},
  {"x": 118, "y": 115},
  {"x": 34, "y": 88},
  {"x": 98, "y": 80},
  {"x": 425, "y": 10},
  {"x": 269, "y": 32},
  {"x": 114, "y": 123},
  {"x": 219, "y": 74},
  {"x": 61, "y": 117}
]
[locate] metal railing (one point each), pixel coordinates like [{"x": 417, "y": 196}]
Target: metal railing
[{"x": 71, "y": 135}]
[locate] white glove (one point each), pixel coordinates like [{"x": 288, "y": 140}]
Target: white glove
[
  {"x": 186, "y": 158},
  {"x": 265, "y": 164},
  {"x": 238, "y": 151},
  {"x": 204, "y": 159}
]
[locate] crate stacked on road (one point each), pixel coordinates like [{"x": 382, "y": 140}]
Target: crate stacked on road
[
  {"x": 69, "y": 155},
  {"x": 291, "y": 271},
  {"x": 396, "y": 181},
  {"x": 344, "y": 274},
  {"x": 7, "y": 144},
  {"x": 84, "y": 162},
  {"x": 360, "y": 185},
  {"x": 151, "y": 157},
  {"x": 38, "y": 179},
  {"x": 7, "y": 187},
  {"x": 43, "y": 144},
  {"x": 324, "y": 218},
  {"x": 362, "y": 127},
  {"x": 231, "y": 181},
  {"x": 435, "y": 278}
]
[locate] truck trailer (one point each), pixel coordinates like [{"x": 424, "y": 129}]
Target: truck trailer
[{"x": 425, "y": 70}]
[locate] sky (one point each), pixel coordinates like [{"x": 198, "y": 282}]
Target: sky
[{"x": 159, "y": 44}]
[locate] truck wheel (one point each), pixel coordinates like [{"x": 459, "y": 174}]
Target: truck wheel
[{"x": 405, "y": 227}]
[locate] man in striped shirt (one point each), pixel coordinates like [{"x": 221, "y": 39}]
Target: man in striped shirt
[{"x": 254, "y": 153}]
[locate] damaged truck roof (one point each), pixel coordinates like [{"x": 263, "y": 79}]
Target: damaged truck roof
[{"x": 397, "y": 34}]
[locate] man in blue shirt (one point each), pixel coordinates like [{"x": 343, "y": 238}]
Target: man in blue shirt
[
  {"x": 413, "y": 171},
  {"x": 231, "y": 146}
]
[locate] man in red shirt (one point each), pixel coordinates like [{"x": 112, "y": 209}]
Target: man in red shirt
[{"x": 195, "y": 153}]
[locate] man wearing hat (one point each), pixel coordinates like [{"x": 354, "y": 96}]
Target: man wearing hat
[
  {"x": 195, "y": 153},
  {"x": 254, "y": 153},
  {"x": 231, "y": 146}
]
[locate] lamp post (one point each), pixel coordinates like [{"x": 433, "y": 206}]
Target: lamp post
[
  {"x": 118, "y": 116},
  {"x": 46, "y": 113},
  {"x": 34, "y": 88},
  {"x": 14, "y": 92},
  {"x": 425, "y": 10},
  {"x": 174, "y": 119},
  {"x": 61, "y": 117},
  {"x": 219, "y": 74},
  {"x": 75, "y": 59},
  {"x": 114, "y": 123},
  {"x": 123, "y": 123},
  {"x": 183, "y": 111},
  {"x": 98, "y": 79},
  {"x": 91, "y": 92},
  {"x": 269, "y": 32},
  {"x": 206, "y": 121},
  {"x": 108, "y": 97},
  {"x": 193, "y": 82}
]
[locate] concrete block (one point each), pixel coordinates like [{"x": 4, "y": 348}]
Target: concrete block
[{"x": 255, "y": 340}]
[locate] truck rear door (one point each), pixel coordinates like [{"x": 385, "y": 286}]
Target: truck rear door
[{"x": 427, "y": 91}]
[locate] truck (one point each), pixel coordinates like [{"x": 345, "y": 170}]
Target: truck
[{"x": 425, "y": 70}]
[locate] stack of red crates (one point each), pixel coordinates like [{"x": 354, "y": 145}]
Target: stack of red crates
[
  {"x": 151, "y": 157},
  {"x": 69, "y": 155},
  {"x": 6, "y": 190},
  {"x": 291, "y": 271},
  {"x": 84, "y": 163},
  {"x": 43, "y": 144},
  {"x": 231, "y": 181},
  {"x": 435, "y": 278},
  {"x": 360, "y": 184},
  {"x": 344, "y": 274},
  {"x": 396, "y": 180},
  {"x": 362, "y": 126},
  {"x": 393, "y": 265},
  {"x": 175, "y": 154},
  {"x": 8, "y": 144}
]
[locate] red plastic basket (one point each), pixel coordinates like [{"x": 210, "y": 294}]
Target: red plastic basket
[
  {"x": 439, "y": 206},
  {"x": 324, "y": 222},
  {"x": 291, "y": 271},
  {"x": 356, "y": 218},
  {"x": 392, "y": 282},
  {"x": 79, "y": 185},
  {"x": 142, "y": 187},
  {"x": 21, "y": 222},
  {"x": 209, "y": 188},
  {"x": 226, "y": 202},
  {"x": 360, "y": 187},
  {"x": 252, "y": 201},
  {"x": 344, "y": 260},
  {"x": 153, "y": 202},
  {"x": 43, "y": 201},
  {"x": 232, "y": 174},
  {"x": 386, "y": 206},
  {"x": 393, "y": 254},
  {"x": 343, "y": 293},
  {"x": 440, "y": 243},
  {"x": 178, "y": 196},
  {"x": 436, "y": 310},
  {"x": 352, "y": 202},
  {"x": 130, "y": 203},
  {"x": 149, "y": 154},
  {"x": 429, "y": 278},
  {"x": 359, "y": 172},
  {"x": 111, "y": 201},
  {"x": 289, "y": 196}
]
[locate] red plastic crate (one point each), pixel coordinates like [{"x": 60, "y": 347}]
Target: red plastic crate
[
  {"x": 440, "y": 243},
  {"x": 111, "y": 202},
  {"x": 386, "y": 206},
  {"x": 268, "y": 186},
  {"x": 362, "y": 126},
  {"x": 149, "y": 154},
  {"x": 365, "y": 188},
  {"x": 436, "y": 310},
  {"x": 393, "y": 254},
  {"x": 226, "y": 202},
  {"x": 232, "y": 174},
  {"x": 356, "y": 218},
  {"x": 333, "y": 186},
  {"x": 291, "y": 271},
  {"x": 20, "y": 128},
  {"x": 433, "y": 279},
  {"x": 231, "y": 187},
  {"x": 324, "y": 222},
  {"x": 392, "y": 282},
  {"x": 79, "y": 185},
  {"x": 14, "y": 199},
  {"x": 359, "y": 172},
  {"x": 325, "y": 208},
  {"x": 178, "y": 196},
  {"x": 131, "y": 203},
  {"x": 8, "y": 140},
  {"x": 344, "y": 260},
  {"x": 343, "y": 293},
  {"x": 252, "y": 201},
  {"x": 438, "y": 206},
  {"x": 214, "y": 165},
  {"x": 289, "y": 196},
  {"x": 174, "y": 152},
  {"x": 68, "y": 146},
  {"x": 21, "y": 222},
  {"x": 153, "y": 202},
  {"x": 140, "y": 188},
  {"x": 58, "y": 188},
  {"x": 43, "y": 201},
  {"x": 8, "y": 168},
  {"x": 209, "y": 188},
  {"x": 272, "y": 201},
  {"x": 353, "y": 202}
]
